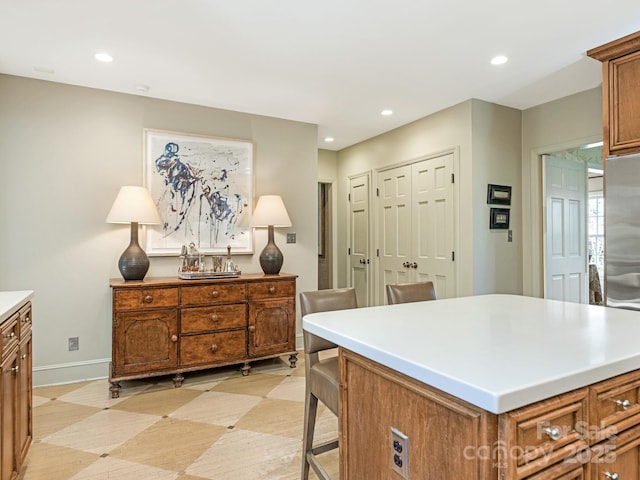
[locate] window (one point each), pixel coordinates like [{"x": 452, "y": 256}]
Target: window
[{"x": 596, "y": 230}]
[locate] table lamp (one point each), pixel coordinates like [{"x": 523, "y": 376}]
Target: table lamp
[
  {"x": 270, "y": 212},
  {"x": 133, "y": 205}
]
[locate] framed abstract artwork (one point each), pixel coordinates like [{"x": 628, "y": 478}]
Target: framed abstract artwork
[
  {"x": 499, "y": 219},
  {"x": 499, "y": 194},
  {"x": 203, "y": 188}
]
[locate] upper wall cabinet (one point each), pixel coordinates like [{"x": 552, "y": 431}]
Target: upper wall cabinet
[{"x": 620, "y": 94}]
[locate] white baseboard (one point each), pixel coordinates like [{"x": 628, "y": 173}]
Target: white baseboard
[{"x": 71, "y": 372}]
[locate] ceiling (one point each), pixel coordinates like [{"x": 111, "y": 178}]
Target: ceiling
[{"x": 334, "y": 63}]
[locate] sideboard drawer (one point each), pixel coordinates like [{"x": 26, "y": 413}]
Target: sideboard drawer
[
  {"x": 209, "y": 348},
  {"x": 214, "y": 293},
  {"x": 146, "y": 298},
  {"x": 25, "y": 320},
  {"x": 206, "y": 319},
  {"x": 275, "y": 289},
  {"x": 615, "y": 404}
]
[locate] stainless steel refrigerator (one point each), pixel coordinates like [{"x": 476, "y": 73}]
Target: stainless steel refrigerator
[{"x": 622, "y": 231}]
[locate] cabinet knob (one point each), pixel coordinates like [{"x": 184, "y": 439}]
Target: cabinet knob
[
  {"x": 174, "y": 338},
  {"x": 611, "y": 476},
  {"x": 23, "y": 357},
  {"x": 272, "y": 289},
  {"x": 148, "y": 299},
  {"x": 215, "y": 294},
  {"x": 214, "y": 347},
  {"x": 553, "y": 432},
  {"x": 26, "y": 319},
  {"x": 9, "y": 335},
  {"x": 214, "y": 317},
  {"x": 252, "y": 328},
  {"x": 623, "y": 403},
  {"x": 15, "y": 369}
]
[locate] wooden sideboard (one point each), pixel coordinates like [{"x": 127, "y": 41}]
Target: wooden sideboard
[
  {"x": 167, "y": 326},
  {"x": 620, "y": 94},
  {"x": 16, "y": 421}
]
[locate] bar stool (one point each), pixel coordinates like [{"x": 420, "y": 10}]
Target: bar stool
[
  {"x": 410, "y": 292},
  {"x": 321, "y": 376}
]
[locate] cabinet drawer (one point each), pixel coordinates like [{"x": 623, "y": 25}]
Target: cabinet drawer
[
  {"x": 265, "y": 290},
  {"x": 214, "y": 293},
  {"x": 145, "y": 298},
  {"x": 10, "y": 333},
  {"x": 25, "y": 321},
  {"x": 545, "y": 432},
  {"x": 210, "y": 348},
  {"x": 615, "y": 404},
  {"x": 221, "y": 317}
]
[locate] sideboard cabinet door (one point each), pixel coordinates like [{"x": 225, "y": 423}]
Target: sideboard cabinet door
[{"x": 272, "y": 326}]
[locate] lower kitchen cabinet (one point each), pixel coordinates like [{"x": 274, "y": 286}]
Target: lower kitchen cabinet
[
  {"x": 16, "y": 421},
  {"x": 165, "y": 326}
]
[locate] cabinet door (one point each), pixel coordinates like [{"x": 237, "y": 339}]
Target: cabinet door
[
  {"x": 618, "y": 458},
  {"x": 272, "y": 327},
  {"x": 624, "y": 98},
  {"x": 145, "y": 342},
  {"x": 24, "y": 410},
  {"x": 8, "y": 399}
]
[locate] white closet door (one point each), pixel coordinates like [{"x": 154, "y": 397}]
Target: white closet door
[{"x": 359, "y": 257}]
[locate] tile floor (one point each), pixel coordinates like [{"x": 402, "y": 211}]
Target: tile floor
[{"x": 219, "y": 425}]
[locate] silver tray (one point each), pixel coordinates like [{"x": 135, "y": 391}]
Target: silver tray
[{"x": 201, "y": 275}]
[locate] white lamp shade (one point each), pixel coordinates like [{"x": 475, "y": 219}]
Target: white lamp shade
[
  {"x": 133, "y": 204},
  {"x": 270, "y": 210}
]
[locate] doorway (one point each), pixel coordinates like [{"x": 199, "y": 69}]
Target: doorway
[
  {"x": 573, "y": 224},
  {"x": 325, "y": 235}
]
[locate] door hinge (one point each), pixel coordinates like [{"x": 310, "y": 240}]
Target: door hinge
[
  {"x": 377, "y": 252},
  {"x": 349, "y": 251},
  {"x": 348, "y": 196},
  {"x": 377, "y": 192},
  {"x": 453, "y": 256},
  {"x": 453, "y": 178}
]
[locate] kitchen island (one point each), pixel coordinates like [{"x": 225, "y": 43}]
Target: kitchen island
[{"x": 487, "y": 387}]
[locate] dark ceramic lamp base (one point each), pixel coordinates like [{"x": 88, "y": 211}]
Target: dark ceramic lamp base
[
  {"x": 133, "y": 263},
  {"x": 271, "y": 257}
]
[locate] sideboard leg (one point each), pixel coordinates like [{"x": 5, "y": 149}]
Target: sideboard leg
[
  {"x": 292, "y": 360},
  {"x": 115, "y": 389},
  {"x": 177, "y": 380},
  {"x": 245, "y": 369}
]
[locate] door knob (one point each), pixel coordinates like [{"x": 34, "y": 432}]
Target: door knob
[
  {"x": 363, "y": 261},
  {"x": 414, "y": 265}
]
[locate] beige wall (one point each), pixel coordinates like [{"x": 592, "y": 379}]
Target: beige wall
[
  {"x": 485, "y": 139},
  {"x": 66, "y": 151},
  {"x": 563, "y": 124}
]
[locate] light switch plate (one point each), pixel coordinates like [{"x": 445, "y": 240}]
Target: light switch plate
[{"x": 291, "y": 238}]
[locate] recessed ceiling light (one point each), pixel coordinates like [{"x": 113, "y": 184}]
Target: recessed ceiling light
[
  {"x": 328, "y": 139},
  {"x": 141, "y": 88},
  {"x": 104, "y": 57},
  {"x": 499, "y": 60},
  {"x": 386, "y": 113},
  {"x": 44, "y": 70}
]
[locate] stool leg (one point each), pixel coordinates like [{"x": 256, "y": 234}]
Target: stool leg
[{"x": 310, "y": 410}]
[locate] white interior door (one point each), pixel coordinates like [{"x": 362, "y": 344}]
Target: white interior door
[
  {"x": 416, "y": 225},
  {"x": 433, "y": 224},
  {"x": 394, "y": 227},
  {"x": 359, "y": 257},
  {"x": 565, "y": 231}
]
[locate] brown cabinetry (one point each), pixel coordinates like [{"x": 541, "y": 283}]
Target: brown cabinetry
[
  {"x": 16, "y": 424},
  {"x": 620, "y": 94},
  {"x": 169, "y": 326},
  {"x": 592, "y": 433}
]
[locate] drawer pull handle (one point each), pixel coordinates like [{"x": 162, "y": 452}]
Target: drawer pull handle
[
  {"x": 215, "y": 294},
  {"x": 554, "y": 433},
  {"x": 174, "y": 338},
  {"x": 148, "y": 299},
  {"x": 214, "y": 348},
  {"x": 252, "y": 328},
  {"x": 624, "y": 404},
  {"x": 611, "y": 476},
  {"x": 214, "y": 317},
  {"x": 272, "y": 289}
]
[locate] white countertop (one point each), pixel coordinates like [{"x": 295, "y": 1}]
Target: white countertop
[
  {"x": 498, "y": 352},
  {"x": 10, "y": 301}
]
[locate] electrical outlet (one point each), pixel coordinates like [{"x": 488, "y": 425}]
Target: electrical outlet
[
  {"x": 291, "y": 238},
  {"x": 74, "y": 344},
  {"x": 399, "y": 453}
]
